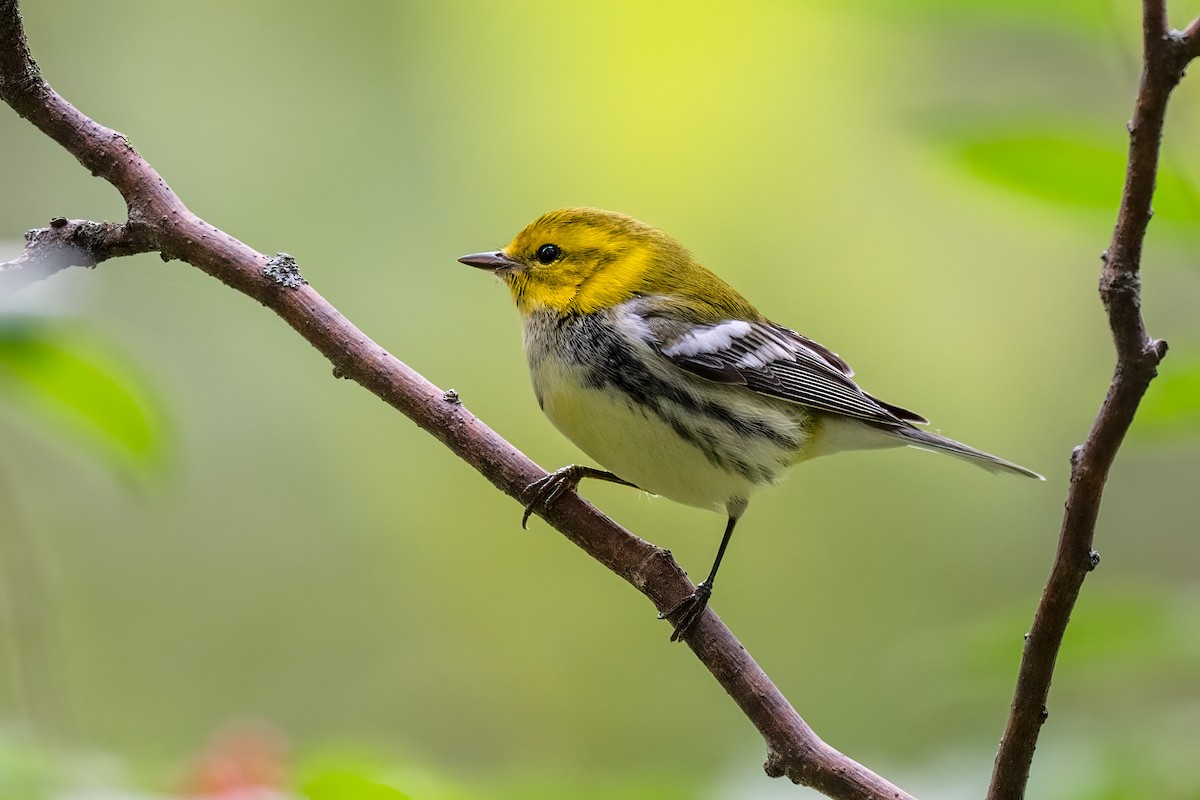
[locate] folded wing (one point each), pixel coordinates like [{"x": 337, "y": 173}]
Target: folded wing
[{"x": 774, "y": 361}]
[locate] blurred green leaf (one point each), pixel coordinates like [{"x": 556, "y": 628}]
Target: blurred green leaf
[
  {"x": 343, "y": 775},
  {"x": 82, "y": 388},
  {"x": 1067, "y": 169},
  {"x": 349, "y": 786},
  {"x": 1172, "y": 404}
]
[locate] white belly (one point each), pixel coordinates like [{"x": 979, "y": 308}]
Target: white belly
[{"x": 633, "y": 442}]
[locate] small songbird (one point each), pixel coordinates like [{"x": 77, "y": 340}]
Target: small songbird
[{"x": 668, "y": 377}]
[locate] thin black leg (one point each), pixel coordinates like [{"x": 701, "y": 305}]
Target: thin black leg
[{"x": 691, "y": 607}]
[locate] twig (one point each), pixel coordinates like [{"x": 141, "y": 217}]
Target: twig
[
  {"x": 1192, "y": 34},
  {"x": 1166, "y": 53},
  {"x": 69, "y": 243},
  {"x": 159, "y": 221}
]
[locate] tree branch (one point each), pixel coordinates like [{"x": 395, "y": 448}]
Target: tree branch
[
  {"x": 70, "y": 243},
  {"x": 1138, "y": 356},
  {"x": 159, "y": 221},
  {"x": 1192, "y": 34}
]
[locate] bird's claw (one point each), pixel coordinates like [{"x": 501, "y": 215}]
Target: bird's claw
[
  {"x": 547, "y": 490},
  {"x": 684, "y": 614}
]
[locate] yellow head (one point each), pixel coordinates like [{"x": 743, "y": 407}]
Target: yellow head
[{"x": 583, "y": 260}]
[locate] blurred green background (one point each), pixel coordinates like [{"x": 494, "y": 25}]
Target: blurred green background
[{"x": 199, "y": 526}]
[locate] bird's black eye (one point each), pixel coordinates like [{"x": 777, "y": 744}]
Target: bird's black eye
[{"x": 548, "y": 253}]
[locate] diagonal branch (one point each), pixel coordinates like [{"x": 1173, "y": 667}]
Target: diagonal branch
[
  {"x": 1138, "y": 356},
  {"x": 159, "y": 221}
]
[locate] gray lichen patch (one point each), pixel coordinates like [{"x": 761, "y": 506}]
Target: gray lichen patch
[{"x": 284, "y": 271}]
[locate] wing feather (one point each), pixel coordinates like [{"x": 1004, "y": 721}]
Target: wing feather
[{"x": 771, "y": 360}]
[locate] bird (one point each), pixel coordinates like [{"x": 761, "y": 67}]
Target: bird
[{"x": 673, "y": 382}]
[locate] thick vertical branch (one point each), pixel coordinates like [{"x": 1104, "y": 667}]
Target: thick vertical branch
[{"x": 1166, "y": 53}]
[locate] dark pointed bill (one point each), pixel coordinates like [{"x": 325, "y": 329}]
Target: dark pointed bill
[{"x": 495, "y": 260}]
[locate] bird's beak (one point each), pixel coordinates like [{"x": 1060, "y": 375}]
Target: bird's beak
[{"x": 494, "y": 261}]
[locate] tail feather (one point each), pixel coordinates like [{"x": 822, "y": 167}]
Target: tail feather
[{"x": 925, "y": 440}]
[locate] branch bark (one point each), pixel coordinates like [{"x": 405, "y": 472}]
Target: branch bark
[
  {"x": 1166, "y": 54},
  {"x": 160, "y": 222}
]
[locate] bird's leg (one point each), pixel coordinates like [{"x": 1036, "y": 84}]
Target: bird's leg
[
  {"x": 685, "y": 613},
  {"x": 545, "y": 491}
]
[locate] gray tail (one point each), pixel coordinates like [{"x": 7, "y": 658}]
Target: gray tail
[{"x": 932, "y": 441}]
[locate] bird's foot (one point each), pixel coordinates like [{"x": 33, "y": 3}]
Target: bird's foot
[
  {"x": 545, "y": 491},
  {"x": 683, "y": 615}
]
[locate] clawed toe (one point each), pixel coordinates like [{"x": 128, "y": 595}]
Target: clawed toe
[
  {"x": 685, "y": 613},
  {"x": 545, "y": 491}
]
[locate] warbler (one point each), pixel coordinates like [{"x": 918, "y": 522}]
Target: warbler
[{"x": 674, "y": 382}]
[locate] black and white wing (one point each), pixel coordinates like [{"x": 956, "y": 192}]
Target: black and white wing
[
  {"x": 777, "y": 362},
  {"x": 774, "y": 361}
]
